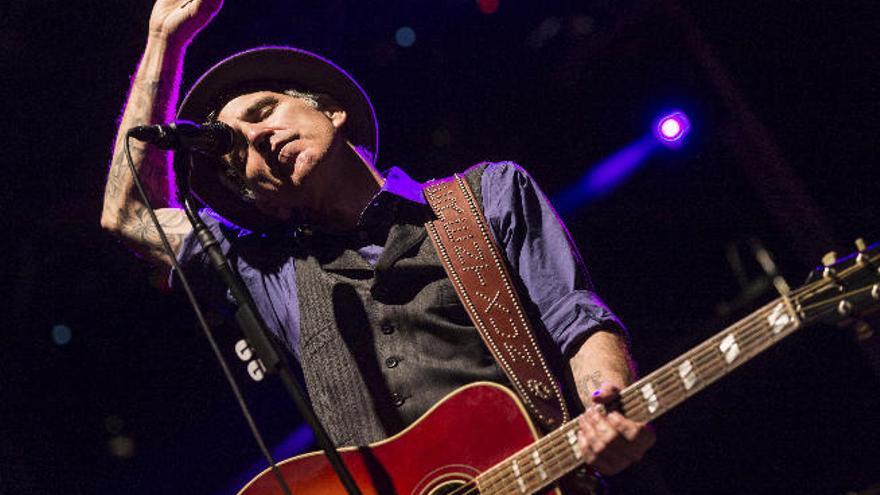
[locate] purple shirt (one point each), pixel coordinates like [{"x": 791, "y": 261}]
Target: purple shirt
[{"x": 535, "y": 243}]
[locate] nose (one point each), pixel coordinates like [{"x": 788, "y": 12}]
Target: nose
[{"x": 258, "y": 136}]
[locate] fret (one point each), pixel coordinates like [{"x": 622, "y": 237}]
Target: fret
[
  {"x": 537, "y": 466},
  {"x": 571, "y": 436},
  {"x": 536, "y": 458},
  {"x": 518, "y": 475},
  {"x": 729, "y": 348},
  {"x": 686, "y": 374},
  {"x": 650, "y": 397},
  {"x": 778, "y": 319}
]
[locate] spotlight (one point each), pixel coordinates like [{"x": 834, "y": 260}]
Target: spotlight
[{"x": 672, "y": 128}]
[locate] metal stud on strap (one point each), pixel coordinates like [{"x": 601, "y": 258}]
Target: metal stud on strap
[{"x": 474, "y": 264}]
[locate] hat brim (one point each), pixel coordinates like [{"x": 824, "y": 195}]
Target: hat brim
[{"x": 282, "y": 67}]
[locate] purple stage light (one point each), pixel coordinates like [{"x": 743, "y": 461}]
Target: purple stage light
[
  {"x": 672, "y": 128},
  {"x": 605, "y": 176}
]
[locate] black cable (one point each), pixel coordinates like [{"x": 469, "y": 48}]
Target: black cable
[{"x": 203, "y": 323}]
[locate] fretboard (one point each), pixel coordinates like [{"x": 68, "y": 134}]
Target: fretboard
[
  {"x": 703, "y": 365},
  {"x": 558, "y": 453}
]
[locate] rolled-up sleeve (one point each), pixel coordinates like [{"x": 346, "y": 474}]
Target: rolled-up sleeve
[{"x": 539, "y": 249}]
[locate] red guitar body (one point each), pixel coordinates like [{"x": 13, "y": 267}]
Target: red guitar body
[{"x": 466, "y": 433}]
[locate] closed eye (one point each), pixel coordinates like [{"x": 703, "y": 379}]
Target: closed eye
[{"x": 260, "y": 109}]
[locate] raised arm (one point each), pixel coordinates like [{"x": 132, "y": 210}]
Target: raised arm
[{"x": 152, "y": 99}]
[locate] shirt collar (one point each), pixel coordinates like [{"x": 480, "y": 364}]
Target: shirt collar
[
  {"x": 397, "y": 187},
  {"x": 398, "y": 183}
]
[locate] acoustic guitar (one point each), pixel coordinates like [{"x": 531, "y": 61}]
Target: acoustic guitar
[{"x": 480, "y": 439}]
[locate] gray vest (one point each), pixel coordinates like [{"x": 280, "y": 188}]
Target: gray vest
[{"x": 379, "y": 345}]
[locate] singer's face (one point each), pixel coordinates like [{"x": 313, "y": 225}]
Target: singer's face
[{"x": 285, "y": 139}]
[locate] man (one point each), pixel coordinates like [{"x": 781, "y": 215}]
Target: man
[{"x": 335, "y": 252}]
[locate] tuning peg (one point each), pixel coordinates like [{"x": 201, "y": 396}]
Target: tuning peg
[
  {"x": 829, "y": 258},
  {"x": 862, "y": 257},
  {"x": 829, "y": 273}
]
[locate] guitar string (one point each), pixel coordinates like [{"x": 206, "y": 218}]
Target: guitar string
[
  {"x": 747, "y": 349},
  {"x": 707, "y": 366},
  {"x": 752, "y": 341},
  {"x": 490, "y": 478},
  {"x": 552, "y": 456},
  {"x": 840, "y": 297},
  {"x": 551, "y": 460},
  {"x": 748, "y": 337},
  {"x": 746, "y": 334},
  {"x": 703, "y": 358}
]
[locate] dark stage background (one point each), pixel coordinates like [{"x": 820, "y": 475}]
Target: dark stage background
[{"x": 783, "y": 100}]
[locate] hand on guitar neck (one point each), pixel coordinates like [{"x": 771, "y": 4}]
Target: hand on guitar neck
[{"x": 610, "y": 441}]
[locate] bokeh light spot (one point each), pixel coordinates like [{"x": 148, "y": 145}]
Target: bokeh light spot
[
  {"x": 488, "y": 6},
  {"x": 405, "y": 36},
  {"x": 61, "y": 334},
  {"x": 121, "y": 447}
]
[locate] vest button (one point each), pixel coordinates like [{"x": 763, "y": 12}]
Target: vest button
[
  {"x": 387, "y": 328},
  {"x": 392, "y": 362},
  {"x": 397, "y": 400}
]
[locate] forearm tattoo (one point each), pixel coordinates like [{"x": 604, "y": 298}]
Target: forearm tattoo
[
  {"x": 150, "y": 163},
  {"x": 151, "y": 98},
  {"x": 588, "y": 384},
  {"x": 138, "y": 228}
]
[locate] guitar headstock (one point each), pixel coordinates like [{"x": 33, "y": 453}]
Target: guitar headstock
[{"x": 842, "y": 288}]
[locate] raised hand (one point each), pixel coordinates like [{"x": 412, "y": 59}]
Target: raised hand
[
  {"x": 178, "y": 21},
  {"x": 153, "y": 99}
]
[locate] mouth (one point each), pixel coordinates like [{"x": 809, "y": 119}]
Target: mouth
[
  {"x": 284, "y": 158},
  {"x": 286, "y": 152}
]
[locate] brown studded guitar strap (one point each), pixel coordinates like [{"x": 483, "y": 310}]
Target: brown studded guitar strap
[{"x": 479, "y": 274}]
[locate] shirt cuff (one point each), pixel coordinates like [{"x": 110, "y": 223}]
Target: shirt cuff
[{"x": 576, "y": 316}]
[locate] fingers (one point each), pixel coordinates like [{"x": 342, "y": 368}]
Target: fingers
[
  {"x": 611, "y": 443},
  {"x": 639, "y": 434},
  {"x": 601, "y": 443}
]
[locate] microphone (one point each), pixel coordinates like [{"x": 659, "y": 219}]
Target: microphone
[{"x": 214, "y": 138}]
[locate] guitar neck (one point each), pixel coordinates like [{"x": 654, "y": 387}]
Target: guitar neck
[
  {"x": 845, "y": 288},
  {"x": 669, "y": 386},
  {"x": 558, "y": 453}
]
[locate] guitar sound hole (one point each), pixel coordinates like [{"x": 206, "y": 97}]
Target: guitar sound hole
[{"x": 447, "y": 488}]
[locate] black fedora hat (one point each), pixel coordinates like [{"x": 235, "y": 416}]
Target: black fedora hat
[{"x": 270, "y": 67}]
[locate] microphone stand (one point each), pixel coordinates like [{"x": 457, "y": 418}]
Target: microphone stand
[{"x": 251, "y": 323}]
